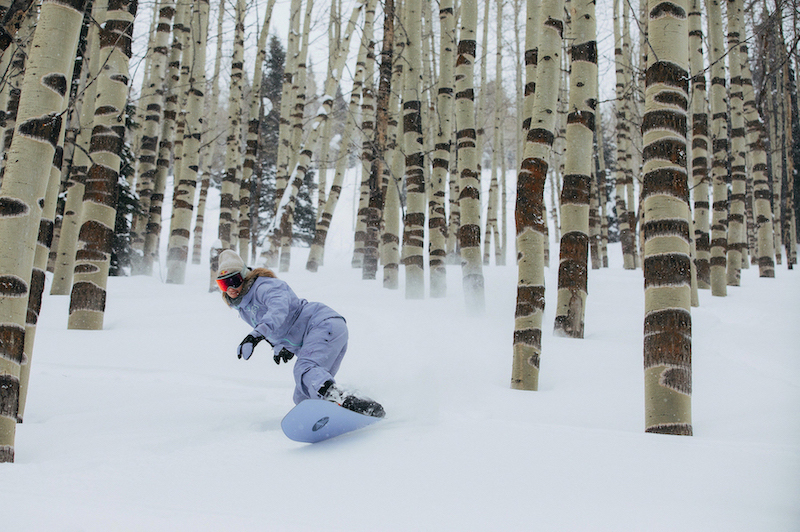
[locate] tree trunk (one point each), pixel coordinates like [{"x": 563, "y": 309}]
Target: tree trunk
[
  {"x": 414, "y": 232},
  {"x": 700, "y": 175},
  {"x": 579, "y": 160},
  {"x": 390, "y": 239},
  {"x": 88, "y": 297},
  {"x": 39, "y": 266},
  {"x": 667, "y": 248},
  {"x": 719, "y": 166},
  {"x": 757, "y": 167},
  {"x": 73, "y": 207},
  {"x": 43, "y": 99},
  {"x": 469, "y": 199},
  {"x": 437, "y": 223},
  {"x": 229, "y": 195},
  {"x": 530, "y": 199},
  {"x": 626, "y": 232},
  {"x": 210, "y": 145},
  {"x": 254, "y": 106},
  {"x": 183, "y": 201},
  {"x": 165, "y": 146},
  {"x": 736, "y": 215},
  {"x": 380, "y": 169},
  {"x": 153, "y": 103}
]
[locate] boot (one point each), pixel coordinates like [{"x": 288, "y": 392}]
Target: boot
[{"x": 331, "y": 392}]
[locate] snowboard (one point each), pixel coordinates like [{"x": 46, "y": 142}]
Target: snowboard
[{"x": 315, "y": 420}]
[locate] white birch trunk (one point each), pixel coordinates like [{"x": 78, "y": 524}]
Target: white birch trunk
[
  {"x": 153, "y": 104},
  {"x": 736, "y": 215},
  {"x": 183, "y": 201},
  {"x": 441, "y": 158},
  {"x": 210, "y": 146},
  {"x": 92, "y": 258},
  {"x": 229, "y": 195},
  {"x": 578, "y": 166},
  {"x": 42, "y": 101},
  {"x": 700, "y": 140},
  {"x": 719, "y": 132},
  {"x": 414, "y": 231},
  {"x": 666, "y": 228},
  {"x": 73, "y": 207},
  {"x": 527, "y": 343}
]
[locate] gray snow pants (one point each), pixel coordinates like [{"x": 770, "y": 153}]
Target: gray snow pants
[{"x": 318, "y": 359}]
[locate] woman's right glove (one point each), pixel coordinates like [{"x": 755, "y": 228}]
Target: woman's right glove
[{"x": 245, "y": 349}]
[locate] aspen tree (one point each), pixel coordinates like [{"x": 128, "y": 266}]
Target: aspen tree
[
  {"x": 490, "y": 228},
  {"x": 454, "y": 216},
  {"x": 166, "y": 145},
  {"x": 72, "y": 127},
  {"x": 210, "y": 146},
  {"x": 88, "y": 297},
  {"x": 43, "y": 100},
  {"x": 790, "y": 222},
  {"x": 413, "y": 236},
  {"x": 757, "y": 167},
  {"x": 667, "y": 248},
  {"x": 719, "y": 133},
  {"x": 469, "y": 233},
  {"x": 623, "y": 145},
  {"x": 482, "y": 101},
  {"x": 39, "y": 266},
  {"x": 700, "y": 138},
  {"x": 579, "y": 160},
  {"x": 73, "y": 206},
  {"x": 182, "y": 90},
  {"x": 380, "y": 170},
  {"x": 530, "y": 198},
  {"x": 519, "y": 87},
  {"x": 736, "y": 215},
  {"x": 323, "y": 162},
  {"x": 775, "y": 115},
  {"x": 601, "y": 191},
  {"x": 497, "y": 175},
  {"x": 367, "y": 253},
  {"x": 594, "y": 217},
  {"x": 287, "y": 100},
  {"x": 437, "y": 224},
  {"x": 230, "y": 182},
  {"x": 153, "y": 103},
  {"x": 183, "y": 200},
  {"x": 390, "y": 239}
]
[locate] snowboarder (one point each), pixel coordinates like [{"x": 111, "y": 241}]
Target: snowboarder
[{"x": 313, "y": 332}]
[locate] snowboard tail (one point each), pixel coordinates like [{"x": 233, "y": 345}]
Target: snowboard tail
[{"x": 315, "y": 420}]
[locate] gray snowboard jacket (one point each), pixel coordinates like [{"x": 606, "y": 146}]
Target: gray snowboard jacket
[{"x": 313, "y": 331}]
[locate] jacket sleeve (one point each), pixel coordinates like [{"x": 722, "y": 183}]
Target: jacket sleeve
[{"x": 275, "y": 299}]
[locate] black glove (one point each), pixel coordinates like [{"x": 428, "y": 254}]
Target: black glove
[
  {"x": 284, "y": 355},
  {"x": 245, "y": 349}
]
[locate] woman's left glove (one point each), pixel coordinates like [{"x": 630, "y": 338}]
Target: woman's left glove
[
  {"x": 245, "y": 349},
  {"x": 284, "y": 355}
]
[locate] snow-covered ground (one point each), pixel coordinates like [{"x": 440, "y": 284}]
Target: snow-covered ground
[{"x": 153, "y": 424}]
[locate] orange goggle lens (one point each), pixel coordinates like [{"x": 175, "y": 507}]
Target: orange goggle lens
[{"x": 233, "y": 280}]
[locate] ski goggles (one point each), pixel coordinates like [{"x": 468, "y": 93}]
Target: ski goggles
[{"x": 229, "y": 279}]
